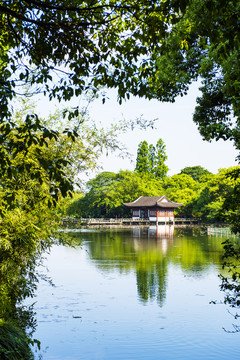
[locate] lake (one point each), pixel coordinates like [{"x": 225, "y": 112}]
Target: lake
[{"x": 136, "y": 293}]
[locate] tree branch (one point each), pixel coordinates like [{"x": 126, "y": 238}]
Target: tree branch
[
  {"x": 44, "y": 5},
  {"x": 59, "y": 24}
]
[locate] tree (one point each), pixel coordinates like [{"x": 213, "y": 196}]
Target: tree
[
  {"x": 201, "y": 41},
  {"x": 38, "y": 166},
  {"x": 216, "y": 195},
  {"x": 152, "y": 151},
  {"x": 82, "y": 152},
  {"x": 151, "y": 49},
  {"x": 151, "y": 159},
  {"x": 100, "y": 198},
  {"x": 231, "y": 207},
  {"x": 65, "y": 48},
  {"x": 148, "y": 49},
  {"x": 183, "y": 189},
  {"x": 160, "y": 169},
  {"x": 108, "y": 191},
  {"x": 196, "y": 172},
  {"x": 26, "y": 224},
  {"x": 144, "y": 160}
]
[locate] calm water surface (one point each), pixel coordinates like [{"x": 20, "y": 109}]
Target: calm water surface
[{"x": 135, "y": 294}]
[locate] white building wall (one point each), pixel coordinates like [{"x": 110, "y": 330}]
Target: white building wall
[{"x": 166, "y": 218}]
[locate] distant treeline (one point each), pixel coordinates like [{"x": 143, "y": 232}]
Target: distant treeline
[{"x": 204, "y": 195}]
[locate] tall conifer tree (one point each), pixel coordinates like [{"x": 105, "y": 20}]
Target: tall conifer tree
[
  {"x": 160, "y": 169},
  {"x": 151, "y": 159},
  {"x": 143, "y": 159}
]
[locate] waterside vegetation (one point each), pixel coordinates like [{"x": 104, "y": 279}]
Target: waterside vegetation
[
  {"x": 205, "y": 198},
  {"x": 147, "y": 49}
]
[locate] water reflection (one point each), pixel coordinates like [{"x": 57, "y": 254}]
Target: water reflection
[
  {"x": 148, "y": 252},
  {"x": 151, "y": 272},
  {"x": 138, "y": 293},
  {"x": 104, "y": 277},
  {"x": 154, "y": 231}
]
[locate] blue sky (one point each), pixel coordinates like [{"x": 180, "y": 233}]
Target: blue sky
[{"x": 184, "y": 144}]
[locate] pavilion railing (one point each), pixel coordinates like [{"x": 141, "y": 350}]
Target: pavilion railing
[{"x": 121, "y": 221}]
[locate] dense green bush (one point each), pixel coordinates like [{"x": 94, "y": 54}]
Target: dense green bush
[{"x": 14, "y": 343}]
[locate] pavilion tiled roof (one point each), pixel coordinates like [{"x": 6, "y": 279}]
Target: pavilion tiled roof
[{"x": 153, "y": 201}]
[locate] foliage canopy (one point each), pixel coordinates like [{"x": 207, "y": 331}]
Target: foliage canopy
[
  {"x": 65, "y": 48},
  {"x": 152, "y": 49},
  {"x": 196, "y": 172},
  {"x": 151, "y": 159},
  {"x": 209, "y": 198},
  {"x": 201, "y": 41},
  {"x": 107, "y": 192}
]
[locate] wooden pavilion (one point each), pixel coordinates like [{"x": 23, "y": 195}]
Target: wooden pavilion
[{"x": 153, "y": 208}]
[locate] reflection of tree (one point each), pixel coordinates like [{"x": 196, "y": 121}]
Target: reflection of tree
[
  {"x": 69, "y": 238},
  {"x": 194, "y": 252},
  {"x": 149, "y": 257},
  {"x": 152, "y": 283},
  {"x": 231, "y": 280},
  {"x": 162, "y": 284},
  {"x": 143, "y": 284}
]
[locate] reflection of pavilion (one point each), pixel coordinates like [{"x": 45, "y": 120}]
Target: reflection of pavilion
[
  {"x": 161, "y": 231},
  {"x": 156, "y": 231},
  {"x": 146, "y": 237}
]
